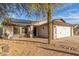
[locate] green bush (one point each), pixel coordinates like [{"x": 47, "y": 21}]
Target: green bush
[{"x": 7, "y": 22}]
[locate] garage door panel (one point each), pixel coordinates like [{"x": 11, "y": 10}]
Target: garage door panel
[{"x": 62, "y": 31}]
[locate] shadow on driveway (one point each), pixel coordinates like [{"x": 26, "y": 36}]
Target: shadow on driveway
[{"x": 60, "y": 51}]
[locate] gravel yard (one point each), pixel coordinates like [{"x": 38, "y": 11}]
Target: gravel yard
[{"x": 39, "y": 47}]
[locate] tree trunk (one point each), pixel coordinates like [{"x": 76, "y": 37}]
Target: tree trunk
[{"x": 49, "y": 23}]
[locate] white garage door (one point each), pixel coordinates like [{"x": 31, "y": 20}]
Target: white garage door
[{"x": 62, "y": 31}]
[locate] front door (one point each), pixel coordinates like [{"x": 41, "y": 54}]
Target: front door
[{"x": 34, "y": 31}]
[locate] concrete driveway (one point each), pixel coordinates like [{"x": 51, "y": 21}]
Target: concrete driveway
[
  {"x": 68, "y": 44},
  {"x": 69, "y": 40}
]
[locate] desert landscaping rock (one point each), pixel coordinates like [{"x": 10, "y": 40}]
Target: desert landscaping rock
[{"x": 69, "y": 48}]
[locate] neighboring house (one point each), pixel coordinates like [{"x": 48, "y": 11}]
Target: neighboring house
[
  {"x": 76, "y": 29},
  {"x": 28, "y": 28}
]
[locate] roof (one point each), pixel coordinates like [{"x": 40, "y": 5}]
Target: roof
[
  {"x": 22, "y": 22},
  {"x": 76, "y": 26},
  {"x": 55, "y": 22},
  {"x": 61, "y": 22}
]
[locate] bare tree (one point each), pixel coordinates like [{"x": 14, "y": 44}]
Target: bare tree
[{"x": 47, "y": 9}]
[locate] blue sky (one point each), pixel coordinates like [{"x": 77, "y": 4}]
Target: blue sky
[{"x": 69, "y": 12}]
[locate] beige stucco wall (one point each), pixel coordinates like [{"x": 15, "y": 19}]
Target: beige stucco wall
[
  {"x": 42, "y": 31},
  {"x": 8, "y": 29},
  {"x": 72, "y": 31}
]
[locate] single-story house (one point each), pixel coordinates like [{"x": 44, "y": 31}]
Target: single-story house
[
  {"x": 28, "y": 28},
  {"x": 60, "y": 29},
  {"x": 76, "y": 29}
]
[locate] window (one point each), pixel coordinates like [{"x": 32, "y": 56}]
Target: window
[{"x": 16, "y": 30}]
